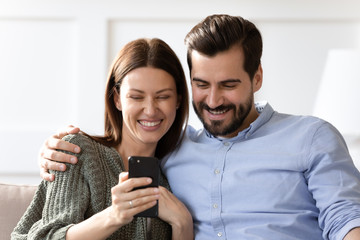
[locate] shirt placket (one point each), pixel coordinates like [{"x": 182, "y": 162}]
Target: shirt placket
[{"x": 216, "y": 200}]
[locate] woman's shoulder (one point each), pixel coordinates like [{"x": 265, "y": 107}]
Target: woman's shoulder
[
  {"x": 78, "y": 139},
  {"x": 85, "y": 142},
  {"x": 90, "y": 149},
  {"x": 90, "y": 155}
]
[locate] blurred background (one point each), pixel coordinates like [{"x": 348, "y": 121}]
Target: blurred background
[{"x": 54, "y": 57}]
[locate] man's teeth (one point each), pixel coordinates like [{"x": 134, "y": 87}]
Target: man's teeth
[
  {"x": 217, "y": 112},
  {"x": 149, "y": 124}
]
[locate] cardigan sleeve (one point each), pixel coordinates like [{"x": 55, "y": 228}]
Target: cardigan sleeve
[{"x": 56, "y": 206}]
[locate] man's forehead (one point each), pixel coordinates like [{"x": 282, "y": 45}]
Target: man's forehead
[
  {"x": 234, "y": 55},
  {"x": 225, "y": 65}
]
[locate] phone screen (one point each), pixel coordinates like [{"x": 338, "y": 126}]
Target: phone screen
[{"x": 145, "y": 167}]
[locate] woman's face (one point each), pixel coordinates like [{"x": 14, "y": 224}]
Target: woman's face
[{"x": 148, "y": 101}]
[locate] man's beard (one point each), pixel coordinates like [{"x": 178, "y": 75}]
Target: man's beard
[{"x": 217, "y": 127}]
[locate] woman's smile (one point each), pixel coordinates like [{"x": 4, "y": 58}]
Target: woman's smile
[{"x": 149, "y": 124}]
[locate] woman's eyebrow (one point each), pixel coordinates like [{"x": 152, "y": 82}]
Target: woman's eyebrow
[
  {"x": 160, "y": 91},
  {"x": 165, "y": 89}
]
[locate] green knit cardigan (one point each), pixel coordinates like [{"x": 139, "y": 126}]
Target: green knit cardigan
[{"x": 83, "y": 190}]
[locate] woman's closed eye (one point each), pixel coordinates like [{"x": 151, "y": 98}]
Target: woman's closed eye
[
  {"x": 163, "y": 97},
  {"x": 136, "y": 97}
]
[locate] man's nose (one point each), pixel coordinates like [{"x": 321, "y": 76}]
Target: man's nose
[{"x": 215, "y": 98}]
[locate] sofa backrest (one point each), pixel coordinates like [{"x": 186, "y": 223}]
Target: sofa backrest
[{"x": 14, "y": 200}]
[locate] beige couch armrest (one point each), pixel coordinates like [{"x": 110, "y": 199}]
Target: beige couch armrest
[{"x": 14, "y": 200}]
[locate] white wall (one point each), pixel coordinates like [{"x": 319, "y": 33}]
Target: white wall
[{"x": 54, "y": 57}]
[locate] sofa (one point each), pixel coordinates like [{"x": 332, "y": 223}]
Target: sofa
[{"x": 14, "y": 200}]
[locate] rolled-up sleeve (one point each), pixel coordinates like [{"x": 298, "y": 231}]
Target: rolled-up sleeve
[{"x": 334, "y": 182}]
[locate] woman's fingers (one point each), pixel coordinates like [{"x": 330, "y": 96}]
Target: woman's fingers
[
  {"x": 140, "y": 204},
  {"x": 128, "y": 184},
  {"x": 138, "y": 197},
  {"x": 138, "y": 209},
  {"x": 123, "y": 176},
  {"x": 126, "y": 202}
]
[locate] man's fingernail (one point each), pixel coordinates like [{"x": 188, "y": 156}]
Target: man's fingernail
[
  {"x": 77, "y": 149},
  {"x": 62, "y": 168},
  {"x": 73, "y": 160}
]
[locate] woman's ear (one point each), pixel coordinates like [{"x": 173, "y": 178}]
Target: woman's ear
[
  {"x": 179, "y": 98},
  {"x": 116, "y": 97}
]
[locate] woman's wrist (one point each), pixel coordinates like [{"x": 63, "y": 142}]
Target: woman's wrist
[
  {"x": 110, "y": 221},
  {"x": 98, "y": 226}
]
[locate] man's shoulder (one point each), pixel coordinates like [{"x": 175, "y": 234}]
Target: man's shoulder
[
  {"x": 298, "y": 125},
  {"x": 297, "y": 119}
]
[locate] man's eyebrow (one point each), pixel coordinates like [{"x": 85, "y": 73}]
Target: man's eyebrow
[
  {"x": 235, "y": 80},
  {"x": 231, "y": 80},
  {"x": 199, "y": 80}
]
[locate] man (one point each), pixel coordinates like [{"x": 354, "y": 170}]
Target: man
[{"x": 252, "y": 173}]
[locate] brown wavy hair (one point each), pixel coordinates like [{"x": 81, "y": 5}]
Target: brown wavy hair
[{"x": 145, "y": 53}]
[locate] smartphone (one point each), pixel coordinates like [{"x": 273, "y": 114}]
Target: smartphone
[{"x": 146, "y": 167}]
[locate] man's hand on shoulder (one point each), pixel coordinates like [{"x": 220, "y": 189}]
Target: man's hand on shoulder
[{"x": 50, "y": 159}]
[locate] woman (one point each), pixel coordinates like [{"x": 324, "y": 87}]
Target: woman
[{"x": 146, "y": 107}]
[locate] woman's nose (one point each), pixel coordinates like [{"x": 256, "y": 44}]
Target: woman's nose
[{"x": 150, "y": 107}]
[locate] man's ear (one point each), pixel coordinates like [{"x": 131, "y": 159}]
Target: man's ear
[
  {"x": 116, "y": 98},
  {"x": 258, "y": 78}
]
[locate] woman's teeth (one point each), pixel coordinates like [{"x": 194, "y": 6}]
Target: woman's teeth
[{"x": 149, "y": 124}]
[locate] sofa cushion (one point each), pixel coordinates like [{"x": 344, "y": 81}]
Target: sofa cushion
[{"x": 14, "y": 200}]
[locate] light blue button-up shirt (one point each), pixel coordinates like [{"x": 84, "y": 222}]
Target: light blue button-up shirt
[{"x": 284, "y": 177}]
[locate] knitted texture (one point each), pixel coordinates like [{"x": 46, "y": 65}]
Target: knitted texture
[{"x": 78, "y": 193}]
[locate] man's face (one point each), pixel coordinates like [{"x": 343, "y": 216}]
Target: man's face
[{"x": 223, "y": 93}]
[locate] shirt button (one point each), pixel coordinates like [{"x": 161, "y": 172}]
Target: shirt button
[
  {"x": 215, "y": 206},
  {"x": 219, "y": 234},
  {"x": 217, "y": 171},
  {"x": 226, "y": 143}
]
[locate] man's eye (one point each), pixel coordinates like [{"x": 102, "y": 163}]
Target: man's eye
[
  {"x": 201, "y": 85},
  {"x": 229, "y": 86}
]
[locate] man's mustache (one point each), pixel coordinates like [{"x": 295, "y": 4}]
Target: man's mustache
[{"x": 203, "y": 105}]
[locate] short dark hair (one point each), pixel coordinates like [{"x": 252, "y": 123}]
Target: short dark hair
[{"x": 217, "y": 33}]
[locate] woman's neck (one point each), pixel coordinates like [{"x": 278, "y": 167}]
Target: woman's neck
[{"x": 127, "y": 149}]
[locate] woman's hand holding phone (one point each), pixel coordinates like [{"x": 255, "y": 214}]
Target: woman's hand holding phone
[{"x": 126, "y": 202}]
